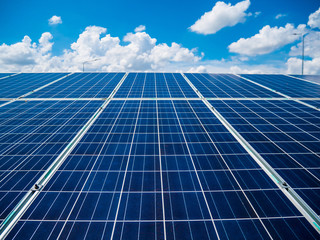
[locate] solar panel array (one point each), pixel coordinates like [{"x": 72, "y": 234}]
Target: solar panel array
[{"x": 158, "y": 156}]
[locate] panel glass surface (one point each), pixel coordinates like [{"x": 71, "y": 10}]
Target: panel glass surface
[
  {"x": 155, "y": 168},
  {"x": 287, "y": 85},
  {"x": 2, "y": 75},
  {"x": 286, "y": 134},
  {"x": 160, "y": 168},
  {"x": 315, "y": 103},
  {"x": 32, "y": 134},
  {"x": 81, "y": 85},
  {"x": 312, "y": 78},
  {"x": 227, "y": 86},
  {"x": 20, "y": 84},
  {"x": 155, "y": 85}
]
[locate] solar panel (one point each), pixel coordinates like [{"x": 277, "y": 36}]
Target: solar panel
[
  {"x": 152, "y": 85},
  {"x": 20, "y": 84},
  {"x": 312, "y": 78},
  {"x": 315, "y": 103},
  {"x": 32, "y": 135},
  {"x": 227, "y": 86},
  {"x": 290, "y": 86},
  {"x": 81, "y": 85},
  {"x": 4, "y": 75},
  {"x": 158, "y": 156},
  {"x": 286, "y": 134},
  {"x": 148, "y": 172}
]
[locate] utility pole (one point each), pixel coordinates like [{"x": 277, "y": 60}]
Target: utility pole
[
  {"x": 302, "y": 54},
  {"x": 83, "y": 63}
]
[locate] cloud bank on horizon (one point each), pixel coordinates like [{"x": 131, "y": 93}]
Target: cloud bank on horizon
[{"x": 138, "y": 51}]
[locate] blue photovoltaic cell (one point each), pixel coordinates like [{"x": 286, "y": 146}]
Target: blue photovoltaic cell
[
  {"x": 286, "y": 134},
  {"x": 227, "y": 86},
  {"x": 146, "y": 168},
  {"x": 287, "y": 85},
  {"x": 32, "y": 134},
  {"x": 81, "y": 85},
  {"x": 20, "y": 84},
  {"x": 312, "y": 78},
  {"x": 155, "y": 85}
]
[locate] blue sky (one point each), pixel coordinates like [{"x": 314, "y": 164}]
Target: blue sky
[{"x": 166, "y": 22}]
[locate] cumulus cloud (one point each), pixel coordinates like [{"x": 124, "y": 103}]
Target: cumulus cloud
[
  {"x": 199, "y": 69},
  {"x": 136, "y": 52},
  {"x": 25, "y": 54},
  {"x": 267, "y": 40},
  {"x": 222, "y": 15},
  {"x": 310, "y": 66},
  {"x": 311, "y": 46},
  {"x": 311, "y": 52},
  {"x": 140, "y": 28},
  {"x": 54, "y": 20},
  {"x": 314, "y": 19}
]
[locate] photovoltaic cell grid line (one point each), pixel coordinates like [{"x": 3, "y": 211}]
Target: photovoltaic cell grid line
[
  {"x": 32, "y": 135},
  {"x": 287, "y": 85},
  {"x": 286, "y": 134},
  {"x": 152, "y": 85},
  {"x": 227, "y": 86},
  {"x": 17, "y": 85},
  {"x": 81, "y": 85},
  {"x": 119, "y": 159}
]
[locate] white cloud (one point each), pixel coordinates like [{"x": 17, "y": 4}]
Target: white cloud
[
  {"x": 25, "y": 54},
  {"x": 140, "y": 28},
  {"x": 222, "y": 15},
  {"x": 311, "y": 45},
  {"x": 280, "y": 15},
  {"x": 256, "y": 14},
  {"x": 199, "y": 69},
  {"x": 310, "y": 66},
  {"x": 54, "y": 20},
  {"x": 311, "y": 52},
  {"x": 314, "y": 19},
  {"x": 137, "y": 52},
  {"x": 267, "y": 40}
]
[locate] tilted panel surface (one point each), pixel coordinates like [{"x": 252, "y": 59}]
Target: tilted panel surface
[
  {"x": 312, "y": 78},
  {"x": 151, "y": 85},
  {"x": 315, "y": 103},
  {"x": 287, "y": 85},
  {"x": 160, "y": 169},
  {"x": 81, "y": 85},
  {"x": 286, "y": 134},
  {"x": 15, "y": 86},
  {"x": 32, "y": 134},
  {"x": 2, "y": 75},
  {"x": 227, "y": 86}
]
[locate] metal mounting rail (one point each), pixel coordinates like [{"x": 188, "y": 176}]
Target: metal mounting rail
[
  {"x": 31, "y": 195},
  {"x": 300, "y": 204},
  {"x": 9, "y": 76},
  {"x": 284, "y": 95},
  {"x": 36, "y": 90}
]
